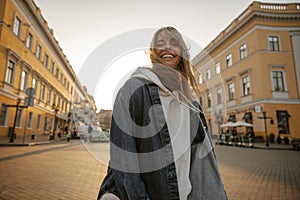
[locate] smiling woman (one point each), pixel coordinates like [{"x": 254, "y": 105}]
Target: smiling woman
[{"x": 159, "y": 145}]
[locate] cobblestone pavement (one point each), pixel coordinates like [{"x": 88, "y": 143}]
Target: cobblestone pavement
[
  {"x": 71, "y": 170},
  {"x": 260, "y": 174}
]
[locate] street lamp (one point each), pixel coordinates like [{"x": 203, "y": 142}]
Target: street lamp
[
  {"x": 56, "y": 109},
  {"x": 266, "y": 131},
  {"x": 12, "y": 135}
]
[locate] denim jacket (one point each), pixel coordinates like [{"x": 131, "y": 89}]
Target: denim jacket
[{"x": 142, "y": 167}]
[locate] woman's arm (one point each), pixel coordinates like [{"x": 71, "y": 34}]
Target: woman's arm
[{"x": 124, "y": 160}]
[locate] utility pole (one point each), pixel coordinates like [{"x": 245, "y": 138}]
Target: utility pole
[{"x": 266, "y": 131}]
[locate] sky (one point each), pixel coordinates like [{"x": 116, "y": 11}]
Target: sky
[{"x": 105, "y": 40}]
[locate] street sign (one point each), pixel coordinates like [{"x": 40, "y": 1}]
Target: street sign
[{"x": 257, "y": 109}]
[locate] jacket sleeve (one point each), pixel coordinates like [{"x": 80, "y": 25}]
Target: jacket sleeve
[{"x": 124, "y": 161}]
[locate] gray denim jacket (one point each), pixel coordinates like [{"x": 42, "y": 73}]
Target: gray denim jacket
[{"x": 142, "y": 162}]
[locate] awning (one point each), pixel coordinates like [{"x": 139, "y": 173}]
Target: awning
[
  {"x": 237, "y": 124},
  {"x": 241, "y": 123},
  {"x": 228, "y": 124}
]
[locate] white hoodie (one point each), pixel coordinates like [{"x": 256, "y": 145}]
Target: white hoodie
[{"x": 178, "y": 121}]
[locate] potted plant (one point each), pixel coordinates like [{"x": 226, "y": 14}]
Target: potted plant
[
  {"x": 279, "y": 139},
  {"x": 272, "y": 137}
]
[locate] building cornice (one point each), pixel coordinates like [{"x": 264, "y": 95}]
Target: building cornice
[
  {"x": 256, "y": 10},
  {"x": 49, "y": 33}
]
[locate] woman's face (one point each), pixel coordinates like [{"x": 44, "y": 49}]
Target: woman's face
[{"x": 167, "y": 49}]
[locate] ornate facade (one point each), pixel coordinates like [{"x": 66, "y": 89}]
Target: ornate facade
[
  {"x": 252, "y": 67},
  {"x": 31, "y": 57}
]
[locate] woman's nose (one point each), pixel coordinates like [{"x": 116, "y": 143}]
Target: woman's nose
[{"x": 168, "y": 47}]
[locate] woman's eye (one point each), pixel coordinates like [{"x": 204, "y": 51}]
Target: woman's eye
[{"x": 175, "y": 44}]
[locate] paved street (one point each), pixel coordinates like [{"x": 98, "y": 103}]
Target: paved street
[{"x": 71, "y": 170}]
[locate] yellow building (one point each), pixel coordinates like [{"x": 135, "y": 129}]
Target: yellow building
[
  {"x": 30, "y": 57},
  {"x": 252, "y": 67}
]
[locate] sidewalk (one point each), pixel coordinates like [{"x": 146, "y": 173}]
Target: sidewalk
[
  {"x": 262, "y": 145},
  {"x": 274, "y": 146},
  {"x": 27, "y": 141},
  {"x": 44, "y": 139}
]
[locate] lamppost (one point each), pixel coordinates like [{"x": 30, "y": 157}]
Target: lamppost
[
  {"x": 266, "y": 131},
  {"x": 12, "y": 135},
  {"x": 56, "y": 109}
]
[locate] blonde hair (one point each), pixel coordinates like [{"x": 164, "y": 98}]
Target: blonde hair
[{"x": 185, "y": 66}]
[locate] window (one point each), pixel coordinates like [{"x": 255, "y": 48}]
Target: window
[
  {"x": 19, "y": 118},
  {"x": 208, "y": 75},
  {"x": 218, "y": 68},
  {"x": 232, "y": 118},
  {"x": 58, "y": 101},
  {"x": 209, "y": 98},
  {"x": 273, "y": 42},
  {"x": 278, "y": 82},
  {"x": 34, "y": 83},
  {"x": 42, "y": 96},
  {"x": 49, "y": 95},
  {"x": 29, "y": 40},
  {"x": 52, "y": 67},
  {"x": 46, "y": 124},
  {"x": 38, "y": 52},
  {"x": 200, "y": 79},
  {"x": 54, "y": 99},
  {"x": 62, "y": 105},
  {"x": 57, "y": 73},
  {"x": 9, "y": 78},
  {"x": 246, "y": 85},
  {"x": 283, "y": 121},
  {"x": 51, "y": 124},
  {"x": 228, "y": 60},
  {"x": 17, "y": 26},
  {"x": 29, "y": 122},
  {"x": 3, "y": 115},
  {"x": 23, "y": 82},
  {"x": 38, "y": 122},
  {"x": 243, "y": 51},
  {"x": 231, "y": 91},
  {"x": 46, "y": 61},
  {"x": 61, "y": 77},
  {"x": 219, "y": 96}
]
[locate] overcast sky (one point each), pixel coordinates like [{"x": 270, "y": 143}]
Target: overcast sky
[{"x": 81, "y": 26}]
